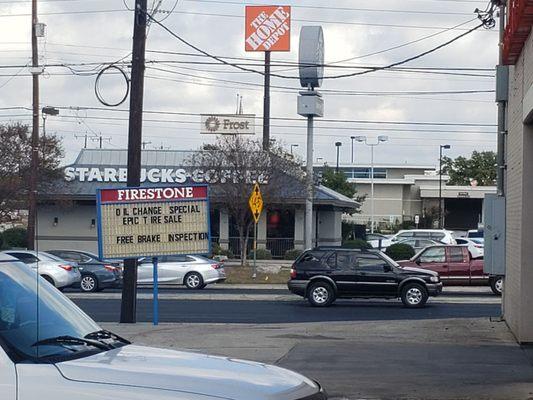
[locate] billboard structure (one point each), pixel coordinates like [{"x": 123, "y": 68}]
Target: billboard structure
[{"x": 153, "y": 221}]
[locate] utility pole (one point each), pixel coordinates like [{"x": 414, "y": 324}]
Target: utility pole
[
  {"x": 502, "y": 90},
  {"x": 266, "y": 104},
  {"x": 442, "y": 146},
  {"x": 144, "y": 144},
  {"x": 32, "y": 206},
  {"x": 85, "y": 139},
  {"x": 128, "y": 307},
  {"x": 100, "y": 139}
]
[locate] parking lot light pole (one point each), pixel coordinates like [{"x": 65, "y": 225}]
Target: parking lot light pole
[
  {"x": 381, "y": 139},
  {"x": 338, "y": 146},
  {"x": 442, "y": 146},
  {"x": 352, "y": 138}
]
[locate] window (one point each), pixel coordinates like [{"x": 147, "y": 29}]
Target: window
[
  {"x": 69, "y": 256},
  {"x": 379, "y": 173},
  {"x": 311, "y": 256},
  {"x": 25, "y": 257},
  {"x": 456, "y": 254},
  {"x": 345, "y": 260},
  {"x": 332, "y": 261},
  {"x": 404, "y": 235},
  {"x": 370, "y": 262},
  {"x": 433, "y": 254},
  {"x": 437, "y": 236},
  {"x": 422, "y": 234}
]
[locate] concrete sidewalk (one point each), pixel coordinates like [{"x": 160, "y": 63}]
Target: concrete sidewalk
[{"x": 413, "y": 359}]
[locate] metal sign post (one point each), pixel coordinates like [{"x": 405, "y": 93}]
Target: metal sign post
[
  {"x": 256, "y": 206},
  {"x": 156, "y": 292}
]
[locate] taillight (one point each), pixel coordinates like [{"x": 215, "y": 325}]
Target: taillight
[
  {"x": 216, "y": 266},
  {"x": 66, "y": 267},
  {"x": 293, "y": 273},
  {"x": 479, "y": 246}
]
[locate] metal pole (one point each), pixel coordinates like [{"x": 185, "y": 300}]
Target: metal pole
[
  {"x": 337, "y": 167},
  {"x": 156, "y": 291},
  {"x": 255, "y": 251},
  {"x": 372, "y": 188},
  {"x": 440, "y": 187},
  {"x": 352, "y": 148},
  {"x": 266, "y": 104},
  {"x": 32, "y": 206},
  {"x": 309, "y": 184},
  {"x": 44, "y": 125},
  {"x": 129, "y": 289}
]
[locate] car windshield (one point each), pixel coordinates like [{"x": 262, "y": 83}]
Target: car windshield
[
  {"x": 32, "y": 310},
  {"x": 475, "y": 234},
  {"x": 49, "y": 257}
]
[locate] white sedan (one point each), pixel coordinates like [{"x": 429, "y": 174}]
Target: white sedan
[
  {"x": 195, "y": 272},
  {"x": 476, "y": 246}
]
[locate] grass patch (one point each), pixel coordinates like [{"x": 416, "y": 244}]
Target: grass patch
[{"x": 243, "y": 275}]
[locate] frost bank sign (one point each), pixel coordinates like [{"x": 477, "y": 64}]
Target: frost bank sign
[{"x": 161, "y": 175}]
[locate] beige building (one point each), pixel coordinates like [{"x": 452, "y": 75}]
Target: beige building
[
  {"x": 518, "y": 54},
  {"x": 403, "y": 191}
]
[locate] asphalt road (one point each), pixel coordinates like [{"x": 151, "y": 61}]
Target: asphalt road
[{"x": 272, "y": 312}]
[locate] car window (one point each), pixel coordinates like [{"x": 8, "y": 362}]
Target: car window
[
  {"x": 405, "y": 235},
  {"x": 345, "y": 260},
  {"x": 437, "y": 236},
  {"x": 69, "y": 256},
  {"x": 422, "y": 234},
  {"x": 433, "y": 254},
  {"x": 424, "y": 243},
  {"x": 332, "y": 261},
  {"x": 370, "y": 262},
  {"x": 456, "y": 254},
  {"x": 410, "y": 242},
  {"x": 311, "y": 256},
  {"x": 26, "y": 258},
  {"x": 179, "y": 259}
]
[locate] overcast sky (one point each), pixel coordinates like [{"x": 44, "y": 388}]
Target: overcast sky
[{"x": 100, "y": 31}]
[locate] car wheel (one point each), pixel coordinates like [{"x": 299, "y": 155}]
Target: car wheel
[
  {"x": 48, "y": 279},
  {"x": 414, "y": 295},
  {"x": 88, "y": 283},
  {"x": 496, "y": 284},
  {"x": 193, "y": 280},
  {"x": 321, "y": 294}
]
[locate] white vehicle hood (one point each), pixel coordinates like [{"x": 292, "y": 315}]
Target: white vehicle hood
[{"x": 219, "y": 377}]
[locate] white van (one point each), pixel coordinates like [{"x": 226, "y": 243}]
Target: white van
[{"x": 439, "y": 235}]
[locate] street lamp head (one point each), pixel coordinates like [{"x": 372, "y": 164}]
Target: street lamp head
[
  {"x": 445, "y": 146},
  {"x": 383, "y": 138},
  {"x": 360, "y": 138},
  {"x": 50, "y": 111},
  {"x": 338, "y": 144},
  {"x": 352, "y": 137}
]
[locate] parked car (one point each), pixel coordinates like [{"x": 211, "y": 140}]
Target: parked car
[
  {"x": 378, "y": 241},
  {"x": 475, "y": 233},
  {"x": 440, "y": 235},
  {"x": 68, "y": 354},
  {"x": 475, "y": 246},
  {"x": 95, "y": 275},
  {"x": 455, "y": 266},
  {"x": 419, "y": 244},
  {"x": 322, "y": 275},
  {"x": 195, "y": 272},
  {"x": 55, "y": 270}
]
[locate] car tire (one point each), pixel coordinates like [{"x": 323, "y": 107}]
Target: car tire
[
  {"x": 496, "y": 284},
  {"x": 414, "y": 295},
  {"x": 193, "y": 281},
  {"x": 321, "y": 294},
  {"x": 49, "y": 280},
  {"x": 89, "y": 283}
]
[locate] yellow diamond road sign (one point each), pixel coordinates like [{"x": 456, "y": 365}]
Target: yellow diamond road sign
[{"x": 256, "y": 203}]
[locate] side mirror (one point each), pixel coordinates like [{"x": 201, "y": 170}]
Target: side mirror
[
  {"x": 417, "y": 261},
  {"x": 387, "y": 268}
]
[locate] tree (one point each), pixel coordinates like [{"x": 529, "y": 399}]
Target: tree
[
  {"x": 241, "y": 162},
  {"x": 480, "y": 168},
  {"x": 15, "y": 153},
  {"x": 337, "y": 181}
]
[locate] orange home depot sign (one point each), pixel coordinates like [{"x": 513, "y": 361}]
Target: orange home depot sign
[{"x": 268, "y": 28}]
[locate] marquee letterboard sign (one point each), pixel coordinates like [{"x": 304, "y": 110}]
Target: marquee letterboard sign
[{"x": 153, "y": 221}]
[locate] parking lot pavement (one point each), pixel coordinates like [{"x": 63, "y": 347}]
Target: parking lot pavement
[{"x": 456, "y": 358}]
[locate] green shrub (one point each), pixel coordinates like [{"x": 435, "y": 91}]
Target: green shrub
[
  {"x": 262, "y": 254},
  {"x": 292, "y": 254},
  {"x": 15, "y": 238},
  {"x": 356, "y": 244},
  {"x": 400, "y": 251},
  {"x": 216, "y": 250}
]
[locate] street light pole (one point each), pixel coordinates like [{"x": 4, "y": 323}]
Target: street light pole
[
  {"x": 442, "y": 146},
  {"x": 352, "y": 138},
  {"x": 338, "y": 146},
  {"x": 381, "y": 139}
]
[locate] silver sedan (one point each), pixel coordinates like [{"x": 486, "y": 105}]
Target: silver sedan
[{"x": 195, "y": 272}]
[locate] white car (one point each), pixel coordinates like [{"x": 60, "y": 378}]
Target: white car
[
  {"x": 195, "y": 272},
  {"x": 475, "y": 246},
  {"x": 378, "y": 241},
  {"x": 55, "y": 270},
  {"x": 439, "y": 235},
  {"x": 63, "y": 355}
]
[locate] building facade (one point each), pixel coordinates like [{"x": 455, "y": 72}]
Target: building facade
[
  {"x": 402, "y": 192},
  {"x": 518, "y": 54},
  {"x": 67, "y": 209}
]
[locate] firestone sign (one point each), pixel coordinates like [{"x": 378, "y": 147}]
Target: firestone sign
[
  {"x": 268, "y": 28},
  {"x": 151, "y": 222}
]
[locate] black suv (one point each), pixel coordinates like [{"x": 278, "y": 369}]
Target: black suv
[{"x": 323, "y": 274}]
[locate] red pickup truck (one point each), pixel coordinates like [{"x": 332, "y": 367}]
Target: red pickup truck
[{"x": 455, "y": 267}]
